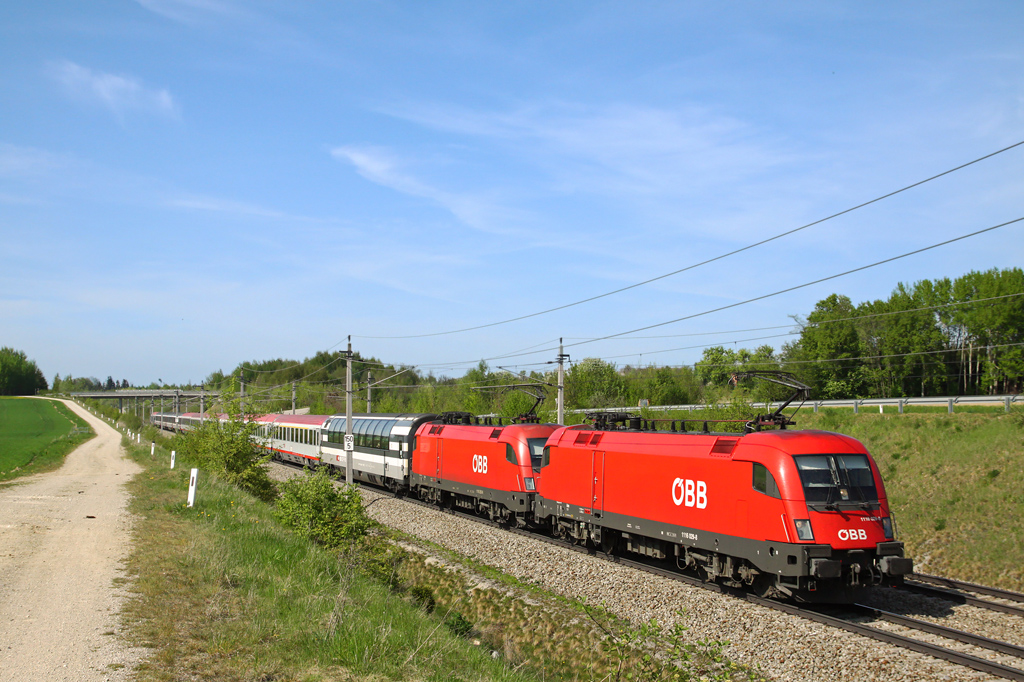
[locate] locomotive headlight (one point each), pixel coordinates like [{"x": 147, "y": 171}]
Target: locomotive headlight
[
  {"x": 803, "y": 529},
  {"x": 887, "y": 527},
  {"x": 530, "y": 485}
]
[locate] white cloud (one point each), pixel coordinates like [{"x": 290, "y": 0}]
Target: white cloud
[
  {"x": 381, "y": 167},
  {"x": 237, "y": 208},
  {"x": 119, "y": 94},
  {"x": 21, "y": 162},
  {"x": 186, "y": 11},
  {"x": 622, "y": 148}
]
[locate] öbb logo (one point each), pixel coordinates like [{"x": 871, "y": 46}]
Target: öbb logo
[
  {"x": 853, "y": 534},
  {"x": 480, "y": 464},
  {"x": 689, "y": 493}
]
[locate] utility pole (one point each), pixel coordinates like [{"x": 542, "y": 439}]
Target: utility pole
[
  {"x": 202, "y": 405},
  {"x": 369, "y": 387},
  {"x": 241, "y": 379},
  {"x": 293, "y": 397},
  {"x": 348, "y": 413},
  {"x": 562, "y": 357}
]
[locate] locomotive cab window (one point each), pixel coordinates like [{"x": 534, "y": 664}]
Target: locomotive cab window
[
  {"x": 764, "y": 482},
  {"x": 834, "y": 481},
  {"x": 537, "y": 452}
]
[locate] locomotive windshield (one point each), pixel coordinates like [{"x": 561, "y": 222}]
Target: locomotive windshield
[{"x": 835, "y": 481}]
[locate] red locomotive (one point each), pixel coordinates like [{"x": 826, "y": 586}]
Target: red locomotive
[
  {"x": 799, "y": 514},
  {"x": 485, "y": 468}
]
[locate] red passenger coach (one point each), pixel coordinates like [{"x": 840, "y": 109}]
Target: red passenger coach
[
  {"x": 790, "y": 513},
  {"x": 484, "y": 468}
]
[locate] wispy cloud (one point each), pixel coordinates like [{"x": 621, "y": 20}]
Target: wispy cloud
[
  {"x": 624, "y": 148},
  {"x": 21, "y": 162},
  {"x": 119, "y": 94},
  {"x": 187, "y": 11},
  {"x": 380, "y": 166},
  {"x": 236, "y": 208}
]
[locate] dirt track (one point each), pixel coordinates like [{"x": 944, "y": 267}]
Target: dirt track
[{"x": 63, "y": 536}]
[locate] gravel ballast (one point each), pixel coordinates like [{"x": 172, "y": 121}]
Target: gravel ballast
[{"x": 781, "y": 646}]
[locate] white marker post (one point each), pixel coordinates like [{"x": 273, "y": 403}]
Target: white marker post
[
  {"x": 192, "y": 487},
  {"x": 152, "y": 448},
  {"x": 172, "y": 459}
]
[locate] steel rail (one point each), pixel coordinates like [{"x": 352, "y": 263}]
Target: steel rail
[
  {"x": 954, "y": 584},
  {"x": 933, "y": 650},
  {"x": 960, "y": 598},
  {"x": 942, "y": 631}
]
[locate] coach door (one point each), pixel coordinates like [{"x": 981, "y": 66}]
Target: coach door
[{"x": 597, "y": 493}]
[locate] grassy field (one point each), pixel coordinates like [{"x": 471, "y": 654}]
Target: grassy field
[{"x": 35, "y": 435}]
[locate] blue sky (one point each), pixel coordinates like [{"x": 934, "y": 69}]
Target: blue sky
[{"x": 188, "y": 184}]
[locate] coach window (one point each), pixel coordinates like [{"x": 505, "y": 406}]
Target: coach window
[
  {"x": 764, "y": 482},
  {"x": 378, "y": 434}
]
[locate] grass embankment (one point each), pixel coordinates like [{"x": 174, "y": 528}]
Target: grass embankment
[
  {"x": 35, "y": 435},
  {"x": 223, "y": 592},
  {"x": 956, "y": 484}
]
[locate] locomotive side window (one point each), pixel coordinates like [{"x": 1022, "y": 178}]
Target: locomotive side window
[
  {"x": 764, "y": 482},
  {"x": 545, "y": 458},
  {"x": 510, "y": 454},
  {"x": 537, "y": 452}
]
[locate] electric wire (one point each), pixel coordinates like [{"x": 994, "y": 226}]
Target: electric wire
[
  {"x": 704, "y": 262},
  {"x": 782, "y": 291}
]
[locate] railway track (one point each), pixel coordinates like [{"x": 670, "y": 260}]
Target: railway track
[
  {"x": 960, "y": 592},
  {"x": 973, "y": 651}
]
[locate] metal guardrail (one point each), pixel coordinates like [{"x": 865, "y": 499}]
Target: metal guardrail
[{"x": 899, "y": 403}]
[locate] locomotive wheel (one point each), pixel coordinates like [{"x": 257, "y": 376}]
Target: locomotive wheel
[
  {"x": 610, "y": 541},
  {"x": 764, "y": 586}
]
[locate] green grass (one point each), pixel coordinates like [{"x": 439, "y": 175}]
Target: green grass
[
  {"x": 223, "y": 592},
  {"x": 35, "y": 435}
]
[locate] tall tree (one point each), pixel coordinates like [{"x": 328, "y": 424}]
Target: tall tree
[{"x": 18, "y": 374}]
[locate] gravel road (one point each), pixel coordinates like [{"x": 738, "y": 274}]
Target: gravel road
[{"x": 63, "y": 537}]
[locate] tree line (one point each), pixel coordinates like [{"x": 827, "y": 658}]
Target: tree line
[
  {"x": 962, "y": 336},
  {"x": 70, "y": 384},
  {"x": 18, "y": 374}
]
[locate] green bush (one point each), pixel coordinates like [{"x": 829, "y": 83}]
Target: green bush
[
  {"x": 458, "y": 624},
  {"x": 319, "y": 511},
  {"x": 230, "y": 450}
]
